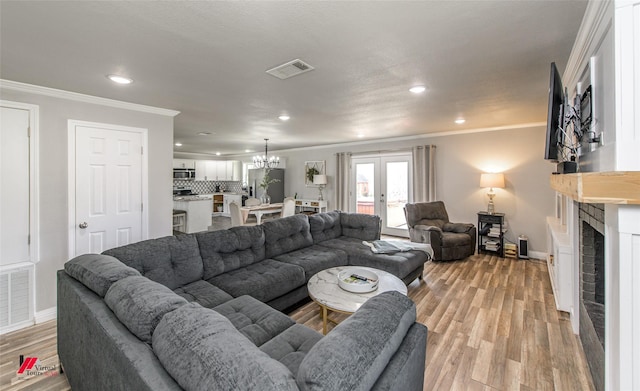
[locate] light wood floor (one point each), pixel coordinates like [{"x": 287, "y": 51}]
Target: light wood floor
[{"x": 492, "y": 326}]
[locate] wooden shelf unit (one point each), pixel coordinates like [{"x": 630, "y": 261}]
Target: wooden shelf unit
[{"x": 613, "y": 187}]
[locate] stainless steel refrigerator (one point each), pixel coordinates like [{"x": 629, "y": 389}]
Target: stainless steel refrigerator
[{"x": 276, "y": 190}]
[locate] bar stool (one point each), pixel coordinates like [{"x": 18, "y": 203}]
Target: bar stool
[{"x": 179, "y": 220}]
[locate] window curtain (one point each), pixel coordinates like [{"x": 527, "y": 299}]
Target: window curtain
[
  {"x": 424, "y": 173},
  {"x": 343, "y": 180}
]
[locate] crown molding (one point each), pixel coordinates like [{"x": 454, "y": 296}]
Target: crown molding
[
  {"x": 62, "y": 94},
  {"x": 598, "y": 18},
  {"x": 404, "y": 138}
]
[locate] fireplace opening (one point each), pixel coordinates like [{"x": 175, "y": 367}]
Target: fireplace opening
[
  {"x": 593, "y": 277},
  {"x": 592, "y": 288}
]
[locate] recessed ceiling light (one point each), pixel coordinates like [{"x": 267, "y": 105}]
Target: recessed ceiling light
[
  {"x": 204, "y": 134},
  {"x": 120, "y": 79},
  {"x": 417, "y": 89},
  {"x": 178, "y": 144},
  {"x": 217, "y": 153},
  {"x": 460, "y": 121},
  {"x": 360, "y": 135},
  {"x": 284, "y": 117},
  {"x": 247, "y": 150}
]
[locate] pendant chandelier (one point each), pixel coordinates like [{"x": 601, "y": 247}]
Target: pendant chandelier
[{"x": 265, "y": 161}]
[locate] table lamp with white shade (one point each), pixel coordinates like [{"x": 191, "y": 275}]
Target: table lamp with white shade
[
  {"x": 321, "y": 181},
  {"x": 493, "y": 180}
]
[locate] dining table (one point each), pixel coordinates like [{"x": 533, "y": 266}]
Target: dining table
[{"x": 260, "y": 210}]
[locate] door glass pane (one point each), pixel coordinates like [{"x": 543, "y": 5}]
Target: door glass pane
[
  {"x": 365, "y": 188},
  {"x": 397, "y": 194}
]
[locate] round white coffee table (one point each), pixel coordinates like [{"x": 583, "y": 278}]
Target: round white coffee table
[{"x": 324, "y": 290}]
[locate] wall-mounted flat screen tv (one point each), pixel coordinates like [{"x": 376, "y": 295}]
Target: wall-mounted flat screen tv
[{"x": 554, "y": 115}]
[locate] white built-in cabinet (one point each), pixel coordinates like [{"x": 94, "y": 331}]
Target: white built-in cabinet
[
  {"x": 183, "y": 163},
  {"x": 212, "y": 170}
]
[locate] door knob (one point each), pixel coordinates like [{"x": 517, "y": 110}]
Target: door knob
[{"x": 83, "y": 225}]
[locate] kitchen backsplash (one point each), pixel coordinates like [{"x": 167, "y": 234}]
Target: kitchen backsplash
[{"x": 208, "y": 187}]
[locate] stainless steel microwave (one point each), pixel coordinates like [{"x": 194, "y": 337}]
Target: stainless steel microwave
[{"x": 184, "y": 174}]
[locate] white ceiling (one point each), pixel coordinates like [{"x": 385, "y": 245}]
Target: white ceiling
[{"x": 486, "y": 61}]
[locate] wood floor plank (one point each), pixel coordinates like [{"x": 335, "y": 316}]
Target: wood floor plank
[{"x": 492, "y": 324}]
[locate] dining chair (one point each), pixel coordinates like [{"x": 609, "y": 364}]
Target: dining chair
[
  {"x": 288, "y": 207},
  {"x": 236, "y": 214}
]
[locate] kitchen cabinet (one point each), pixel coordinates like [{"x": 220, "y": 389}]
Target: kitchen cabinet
[
  {"x": 183, "y": 163},
  {"x": 218, "y": 170},
  {"x": 198, "y": 212}
]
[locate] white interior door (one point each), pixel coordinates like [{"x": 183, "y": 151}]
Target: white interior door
[
  {"x": 382, "y": 186},
  {"x": 108, "y": 187},
  {"x": 14, "y": 186}
]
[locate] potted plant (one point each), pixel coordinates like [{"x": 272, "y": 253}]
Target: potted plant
[
  {"x": 311, "y": 171},
  {"x": 266, "y": 181}
]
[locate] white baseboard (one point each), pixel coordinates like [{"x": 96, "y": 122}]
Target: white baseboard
[
  {"x": 46, "y": 315},
  {"x": 16, "y": 326},
  {"x": 538, "y": 255}
]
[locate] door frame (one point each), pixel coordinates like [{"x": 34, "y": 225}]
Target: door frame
[
  {"x": 34, "y": 170},
  {"x": 71, "y": 176},
  {"x": 379, "y": 161}
]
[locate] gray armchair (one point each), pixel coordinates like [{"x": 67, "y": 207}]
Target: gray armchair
[{"x": 429, "y": 223}]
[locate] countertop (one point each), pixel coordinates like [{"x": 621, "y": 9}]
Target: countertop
[{"x": 192, "y": 198}]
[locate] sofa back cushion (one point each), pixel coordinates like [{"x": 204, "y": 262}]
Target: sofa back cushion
[
  {"x": 226, "y": 250},
  {"x": 325, "y": 226},
  {"x": 173, "y": 261},
  {"x": 356, "y": 352},
  {"x": 426, "y": 213},
  {"x": 360, "y": 226},
  {"x": 97, "y": 272},
  {"x": 140, "y": 303},
  {"x": 287, "y": 234},
  {"x": 201, "y": 349}
]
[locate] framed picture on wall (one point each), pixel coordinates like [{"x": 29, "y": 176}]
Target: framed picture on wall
[{"x": 311, "y": 168}]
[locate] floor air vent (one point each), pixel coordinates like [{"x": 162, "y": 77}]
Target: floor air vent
[{"x": 290, "y": 69}]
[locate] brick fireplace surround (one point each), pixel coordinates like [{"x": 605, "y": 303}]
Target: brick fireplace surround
[{"x": 591, "y": 225}]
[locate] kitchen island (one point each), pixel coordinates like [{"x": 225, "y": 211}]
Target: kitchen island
[{"x": 198, "y": 208}]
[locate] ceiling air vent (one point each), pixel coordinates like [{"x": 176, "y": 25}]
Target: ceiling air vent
[{"x": 290, "y": 69}]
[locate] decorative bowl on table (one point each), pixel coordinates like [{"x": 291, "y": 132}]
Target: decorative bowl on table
[{"x": 358, "y": 280}]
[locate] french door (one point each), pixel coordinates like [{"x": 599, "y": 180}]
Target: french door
[{"x": 381, "y": 186}]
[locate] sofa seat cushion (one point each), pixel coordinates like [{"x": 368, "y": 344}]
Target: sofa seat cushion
[
  {"x": 203, "y": 293},
  {"x": 230, "y": 249},
  {"x": 286, "y": 234},
  {"x": 253, "y": 318},
  {"x": 98, "y": 272},
  {"x": 264, "y": 280},
  {"x": 453, "y": 239},
  {"x": 140, "y": 303},
  {"x": 291, "y": 346},
  {"x": 372, "y": 335},
  {"x": 399, "y": 264},
  {"x": 202, "y": 350},
  {"x": 325, "y": 226},
  {"x": 314, "y": 259},
  {"x": 173, "y": 261}
]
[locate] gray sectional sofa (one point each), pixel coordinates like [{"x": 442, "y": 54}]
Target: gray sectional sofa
[{"x": 200, "y": 311}]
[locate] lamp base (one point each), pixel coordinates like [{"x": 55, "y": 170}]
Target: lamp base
[
  {"x": 491, "y": 208},
  {"x": 320, "y": 196}
]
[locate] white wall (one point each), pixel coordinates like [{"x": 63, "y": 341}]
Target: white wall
[
  {"x": 460, "y": 159},
  {"x": 54, "y": 113}
]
